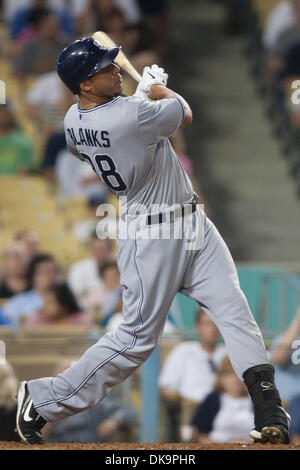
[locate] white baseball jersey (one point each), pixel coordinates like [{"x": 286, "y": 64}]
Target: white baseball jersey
[{"x": 126, "y": 143}]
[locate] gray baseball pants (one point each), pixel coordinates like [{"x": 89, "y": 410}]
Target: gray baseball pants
[{"x": 152, "y": 272}]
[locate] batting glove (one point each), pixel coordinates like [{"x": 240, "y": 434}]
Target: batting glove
[
  {"x": 153, "y": 75},
  {"x": 141, "y": 94}
]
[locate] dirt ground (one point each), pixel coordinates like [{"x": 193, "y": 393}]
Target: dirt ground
[{"x": 128, "y": 446}]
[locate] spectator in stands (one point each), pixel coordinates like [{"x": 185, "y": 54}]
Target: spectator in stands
[
  {"x": 196, "y": 363},
  {"x": 8, "y": 403},
  {"x": 189, "y": 371},
  {"x": 83, "y": 229},
  {"x": 138, "y": 43},
  {"x": 279, "y": 61},
  {"x": 41, "y": 275},
  {"x": 31, "y": 240},
  {"x": 130, "y": 9},
  {"x": 77, "y": 10},
  {"x": 84, "y": 181},
  {"x": 23, "y": 24},
  {"x": 226, "y": 414},
  {"x": 16, "y": 149},
  {"x": 155, "y": 16},
  {"x": 287, "y": 373},
  {"x": 48, "y": 110},
  {"x": 115, "y": 24},
  {"x": 282, "y": 17},
  {"x": 84, "y": 276},
  {"x": 99, "y": 14},
  {"x": 111, "y": 278},
  {"x": 98, "y": 424},
  {"x": 105, "y": 302},
  {"x": 72, "y": 177},
  {"x": 14, "y": 265},
  {"x": 74, "y": 7},
  {"x": 39, "y": 54},
  {"x": 11, "y": 6},
  {"x": 3, "y": 319},
  {"x": 59, "y": 308},
  {"x": 54, "y": 146}
]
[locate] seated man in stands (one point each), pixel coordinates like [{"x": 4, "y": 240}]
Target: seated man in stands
[
  {"x": 39, "y": 54},
  {"x": 84, "y": 276},
  {"x": 47, "y": 110},
  {"x": 189, "y": 372}
]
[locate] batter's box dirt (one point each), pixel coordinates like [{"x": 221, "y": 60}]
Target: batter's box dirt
[{"x": 128, "y": 446}]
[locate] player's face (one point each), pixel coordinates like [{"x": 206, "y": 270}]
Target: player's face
[{"x": 106, "y": 83}]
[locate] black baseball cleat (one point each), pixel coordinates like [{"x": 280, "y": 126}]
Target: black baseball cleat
[
  {"x": 275, "y": 434},
  {"x": 29, "y": 422},
  {"x": 271, "y": 421}
]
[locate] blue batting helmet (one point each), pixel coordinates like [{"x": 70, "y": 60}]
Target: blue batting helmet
[{"x": 82, "y": 59}]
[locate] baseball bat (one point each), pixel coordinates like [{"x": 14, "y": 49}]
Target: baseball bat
[{"x": 121, "y": 59}]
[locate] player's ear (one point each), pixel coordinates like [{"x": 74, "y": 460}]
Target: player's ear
[{"x": 86, "y": 85}]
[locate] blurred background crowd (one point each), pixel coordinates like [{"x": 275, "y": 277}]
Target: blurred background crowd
[{"x": 60, "y": 285}]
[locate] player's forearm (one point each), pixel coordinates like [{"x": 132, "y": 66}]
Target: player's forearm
[{"x": 159, "y": 92}]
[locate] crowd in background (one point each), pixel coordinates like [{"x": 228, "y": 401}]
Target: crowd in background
[{"x": 202, "y": 397}]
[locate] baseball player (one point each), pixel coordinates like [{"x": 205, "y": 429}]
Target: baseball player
[{"x": 125, "y": 140}]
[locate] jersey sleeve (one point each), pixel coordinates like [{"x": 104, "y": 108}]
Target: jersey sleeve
[{"x": 160, "y": 118}]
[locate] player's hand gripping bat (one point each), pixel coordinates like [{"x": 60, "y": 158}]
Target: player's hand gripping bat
[{"x": 121, "y": 59}]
